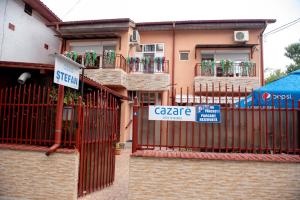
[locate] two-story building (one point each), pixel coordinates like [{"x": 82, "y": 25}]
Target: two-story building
[{"x": 151, "y": 60}]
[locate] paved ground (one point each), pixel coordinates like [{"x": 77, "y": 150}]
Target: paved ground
[{"x": 119, "y": 190}]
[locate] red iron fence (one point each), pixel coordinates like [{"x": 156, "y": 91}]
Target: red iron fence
[
  {"x": 91, "y": 124},
  {"x": 100, "y": 129},
  {"x": 255, "y": 129}
]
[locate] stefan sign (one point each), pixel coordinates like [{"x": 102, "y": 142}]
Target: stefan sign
[
  {"x": 208, "y": 114},
  {"x": 66, "y": 72},
  {"x": 172, "y": 113}
]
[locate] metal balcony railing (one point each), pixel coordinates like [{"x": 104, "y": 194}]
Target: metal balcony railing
[
  {"x": 226, "y": 69},
  {"x": 147, "y": 65},
  {"x": 99, "y": 61}
]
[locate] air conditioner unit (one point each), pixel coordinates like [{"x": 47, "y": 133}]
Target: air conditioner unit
[
  {"x": 135, "y": 37},
  {"x": 241, "y": 36}
]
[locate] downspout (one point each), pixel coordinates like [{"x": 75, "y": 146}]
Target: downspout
[
  {"x": 262, "y": 80},
  {"x": 58, "y": 122},
  {"x": 59, "y": 114},
  {"x": 173, "y": 65}
]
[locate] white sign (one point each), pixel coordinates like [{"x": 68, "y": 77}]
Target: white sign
[
  {"x": 66, "y": 72},
  {"x": 172, "y": 113}
]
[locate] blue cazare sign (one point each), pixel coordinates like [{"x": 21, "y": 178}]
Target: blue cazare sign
[
  {"x": 172, "y": 113},
  {"x": 208, "y": 114}
]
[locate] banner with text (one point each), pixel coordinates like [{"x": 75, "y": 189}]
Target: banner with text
[{"x": 172, "y": 113}]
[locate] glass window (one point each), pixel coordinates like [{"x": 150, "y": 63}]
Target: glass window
[
  {"x": 234, "y": 56},
  {"x": 82, "y": 49},
  {"x": 139, "y": 48},
  {"x": 184, "y": 55},
  {"x": 160, "y": 47},
  {"x": 149, "y": 48},
  {"x": 207, "y": 57}
]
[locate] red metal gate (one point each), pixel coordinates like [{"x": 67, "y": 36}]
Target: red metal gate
[
  {"x": 100, "y": 125},
  {"x": 91, "y": 124}
]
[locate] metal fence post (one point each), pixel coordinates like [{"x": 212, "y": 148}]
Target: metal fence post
[
  {"x": 135, "y": 125},
  {"x": 79, "y": 124}
]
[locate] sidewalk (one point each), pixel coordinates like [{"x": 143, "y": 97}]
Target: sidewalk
[{"x": 119, "y": 189}]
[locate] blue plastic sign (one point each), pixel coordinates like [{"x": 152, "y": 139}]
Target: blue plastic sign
[
  {"x": 208, "y": 114},
  {"x": 66, "y": 72},
  {"x": 172, "y": 113}
]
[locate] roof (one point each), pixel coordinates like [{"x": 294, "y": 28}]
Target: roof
[
  {"x": 89, "y": 22},
  {"x": 43, "y": 10},
  {"x": 26, "y": 65},
  {"x": 39, "y": 66},
  {"x": 92, "y": 29},
  {"x": 205, "y": 24},
  {"x": 208, "y": 21}
]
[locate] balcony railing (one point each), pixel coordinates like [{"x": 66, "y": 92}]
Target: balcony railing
[
  {"x": 147, "y": 65},
  {"x": 99, "y": 61},
  {"x": 226, "y": 69}
]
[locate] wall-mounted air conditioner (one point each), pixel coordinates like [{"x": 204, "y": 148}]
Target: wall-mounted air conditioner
[
  {"x": 135, "y": 37},
  {"x": 241, "y": 36}
]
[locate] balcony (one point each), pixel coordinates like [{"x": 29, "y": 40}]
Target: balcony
[
  {"x": 148, "y": 74},
  {"x": 225, "y": 69},
  {"x": 108, "y": 68},
  {"x": 147, "y": 65},
  {"x": 241, "y": 74}
]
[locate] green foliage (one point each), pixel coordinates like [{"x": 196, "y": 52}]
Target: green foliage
[
  {"x": 275, "y": 76},
  {"x": 70, "y": 95},
  {"x": 293, "y": 52}
]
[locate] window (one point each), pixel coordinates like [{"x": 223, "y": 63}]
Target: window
[
  {"x": 184, "y": 55},
  {"x": 151, "y": 98},
  {"x": 160, "y": 47},
  {"x": 207, "y": 57},
  {"x": 149, "y": 48},
  {"x": 153, "y": 48},
  {"x": 28, "y": 9},
  {"x": 232, "y": 55}
]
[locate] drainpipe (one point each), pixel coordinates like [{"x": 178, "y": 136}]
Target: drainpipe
[
  {"x": 59, "y": 113},
  {"x": 58, "y": 123},
  {"x": 173, "y": 65},
  {"x": 262, "y": 80}
]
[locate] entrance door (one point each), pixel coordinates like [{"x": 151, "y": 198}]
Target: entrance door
[
  {"x": 149, "y": 67},
  {"x": 109, "y": 56}
]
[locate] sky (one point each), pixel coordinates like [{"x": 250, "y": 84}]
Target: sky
[{"x": 284, "y": 11}]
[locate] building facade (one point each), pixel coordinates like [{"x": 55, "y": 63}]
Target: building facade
[{"x": 151, "y": 60}]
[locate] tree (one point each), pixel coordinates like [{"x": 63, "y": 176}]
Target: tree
[
  {"x": 275, "y": 76},
  {"x": 293, "y": 52}
]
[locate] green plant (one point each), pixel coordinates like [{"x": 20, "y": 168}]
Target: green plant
[
  {"x": 207, "y": 67},
  {"x": 70, "y": 95},
  {"x": 227, "y": 66}
]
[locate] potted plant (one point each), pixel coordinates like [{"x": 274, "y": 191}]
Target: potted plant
[{"x": 228, "y": 68}]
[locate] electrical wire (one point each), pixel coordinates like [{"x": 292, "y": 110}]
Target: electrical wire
[
  {"x": 68, "y": 12},
  {"x": 282, "y": 27}
]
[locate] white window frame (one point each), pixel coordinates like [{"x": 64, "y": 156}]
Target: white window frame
[
  {"x": 163, "y": 51},
  {"x": 188, "y": 52}
]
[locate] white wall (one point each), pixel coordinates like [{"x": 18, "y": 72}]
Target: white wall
[{"x": 26, "y": 43}]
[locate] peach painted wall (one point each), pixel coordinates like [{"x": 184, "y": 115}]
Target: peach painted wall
[
  {"x": 186, "y": 40},
  {"x": 125, "y": 118}
]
